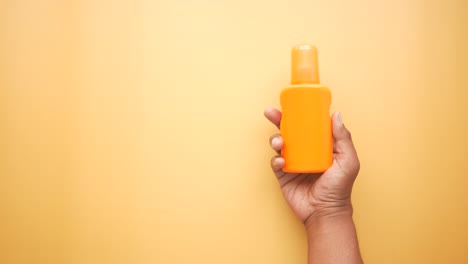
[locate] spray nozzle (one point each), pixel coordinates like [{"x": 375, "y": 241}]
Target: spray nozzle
[{"x": 304, "y": 65}]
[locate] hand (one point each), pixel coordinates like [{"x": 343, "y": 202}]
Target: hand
[{"x": 313, "y": 195}]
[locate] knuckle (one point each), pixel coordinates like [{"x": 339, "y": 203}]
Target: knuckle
[
  {"x": 358, "y": 166},
  {"x": 355, "y": 166},
  {"x": 348, "y": 134}
]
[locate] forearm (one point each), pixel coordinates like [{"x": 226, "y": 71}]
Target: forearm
[{"x": 332, "y": 239}]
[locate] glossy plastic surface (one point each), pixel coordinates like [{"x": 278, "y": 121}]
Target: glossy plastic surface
[{"x": 306, "y": 128}]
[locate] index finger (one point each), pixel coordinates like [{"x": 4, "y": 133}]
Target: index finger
[{"x": 274, "y": 115}]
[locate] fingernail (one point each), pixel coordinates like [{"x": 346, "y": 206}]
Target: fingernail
[
  {"x": 279, "y": 162},
  {"x": 338, "y": 118},
  {"x": 275, "y": 142}
]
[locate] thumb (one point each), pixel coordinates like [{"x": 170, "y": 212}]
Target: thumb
[{"x": 343, "y": 147}]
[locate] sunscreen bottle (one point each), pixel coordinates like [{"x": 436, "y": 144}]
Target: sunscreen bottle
[{"x": 306, "y": 123}]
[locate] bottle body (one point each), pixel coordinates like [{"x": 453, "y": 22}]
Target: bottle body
[{"x": 306, "y": 128}]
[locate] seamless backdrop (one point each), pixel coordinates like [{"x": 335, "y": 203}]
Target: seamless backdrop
[{"x": 132, "y": 131}]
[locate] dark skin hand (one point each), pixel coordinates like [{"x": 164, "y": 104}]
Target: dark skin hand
[{"x": 323, "y": 201}]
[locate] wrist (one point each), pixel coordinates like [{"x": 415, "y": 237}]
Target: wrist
[
  {"x": 332, "y": 237},
  {"x": 329, "y": 215}
]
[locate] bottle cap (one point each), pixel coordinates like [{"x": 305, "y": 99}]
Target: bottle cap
[{"x": 304, "y": 65}]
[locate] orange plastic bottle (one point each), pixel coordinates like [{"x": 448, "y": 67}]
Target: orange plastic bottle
[{"x": 306, "y": 124}]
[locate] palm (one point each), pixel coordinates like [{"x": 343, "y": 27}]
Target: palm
[
  {"x": 308, "y": 192},
  {"x": 298, "y": 190}
]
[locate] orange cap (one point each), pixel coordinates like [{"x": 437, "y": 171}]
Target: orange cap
[{"x": 304, "y": 65}]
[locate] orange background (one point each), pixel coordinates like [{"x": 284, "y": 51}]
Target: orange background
[{"x": 132, "y": 131}]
